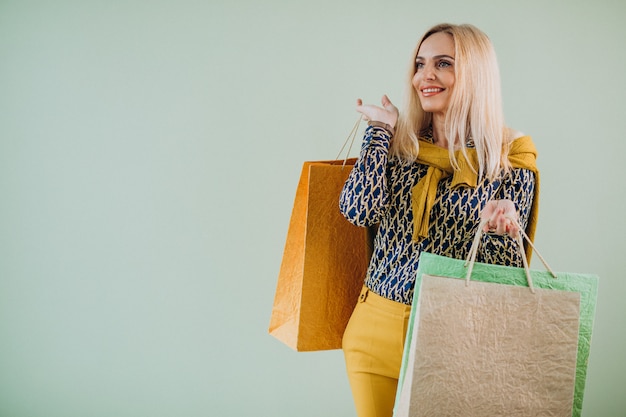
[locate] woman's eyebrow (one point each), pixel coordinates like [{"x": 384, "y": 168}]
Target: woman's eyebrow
[{"x": 417, "y": 58}]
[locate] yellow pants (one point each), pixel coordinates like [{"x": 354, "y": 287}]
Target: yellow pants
[{"x": 373, "y": 344}]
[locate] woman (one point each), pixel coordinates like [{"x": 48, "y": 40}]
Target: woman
[{"x": 426, "y": 177}]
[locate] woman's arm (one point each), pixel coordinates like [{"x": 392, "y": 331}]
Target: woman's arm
[{"x": 365, "y": 195}]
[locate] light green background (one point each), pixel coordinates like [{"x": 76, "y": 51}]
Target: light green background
[{"x": 149, "y": 154}]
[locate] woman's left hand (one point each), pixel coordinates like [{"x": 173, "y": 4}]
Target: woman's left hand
[{"x": 498, "y": 215}]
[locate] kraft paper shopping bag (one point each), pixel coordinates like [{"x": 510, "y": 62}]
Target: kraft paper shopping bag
[
  {"x": 324, "y": 263},
  {"x": 493, "y": 347}
]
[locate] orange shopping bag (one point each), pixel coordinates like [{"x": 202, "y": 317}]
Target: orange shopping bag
[{"x": 324, "y": 263}]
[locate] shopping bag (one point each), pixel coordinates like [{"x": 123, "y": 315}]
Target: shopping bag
[
  {"x": 512, "y": 342},
  {"x": 324, "y": 263}
]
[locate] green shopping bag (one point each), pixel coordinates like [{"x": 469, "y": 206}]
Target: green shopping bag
[{"x": 510, "y": 342}]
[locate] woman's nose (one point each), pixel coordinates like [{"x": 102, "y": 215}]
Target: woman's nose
[{"x": 429, "y": 72}]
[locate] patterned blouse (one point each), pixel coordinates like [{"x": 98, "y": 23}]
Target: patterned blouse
[{"x": 378, "y": 192}]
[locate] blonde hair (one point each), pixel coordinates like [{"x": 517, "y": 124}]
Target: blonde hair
[{"x": 475, "y": 109}]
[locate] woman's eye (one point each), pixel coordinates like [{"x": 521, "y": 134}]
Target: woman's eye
[
  {"x": 419, "y": 65},
  {"x": 444, "y": 64}
]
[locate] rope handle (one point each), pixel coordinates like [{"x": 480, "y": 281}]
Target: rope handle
[
  {"x": 351, "y": 137},
  {"x": 471, "y": 258}
]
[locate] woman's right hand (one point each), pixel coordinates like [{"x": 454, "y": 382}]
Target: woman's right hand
[
  {"x": 388, "y": 113},
  {"x": 500, "y": 217}
]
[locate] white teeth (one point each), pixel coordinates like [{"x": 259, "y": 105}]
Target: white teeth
[{"x": 431, "y": 90}]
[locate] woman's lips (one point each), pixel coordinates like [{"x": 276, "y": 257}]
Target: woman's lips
[{"x": 431, "y": 91}]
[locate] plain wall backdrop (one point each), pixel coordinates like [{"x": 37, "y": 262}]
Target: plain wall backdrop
[{"x": 149, "y": 155}]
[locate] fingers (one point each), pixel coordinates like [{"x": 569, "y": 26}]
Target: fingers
[
  {"x": 388, "y": 113},
  {"x": 362, "y": 109},
  {"x": 502, "y": 224},
  {"x": 500, "y": 217},
  {"x": 371, "y": 112},
  {"x": 512, "y": 229},
  {"x": 388, "y": 105},
  {"x": 496, "y": 222}
]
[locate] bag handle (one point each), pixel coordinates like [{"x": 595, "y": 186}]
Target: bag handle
[
  {"x": 471, "y": 258},
  {"x": 351, "y": 135}
]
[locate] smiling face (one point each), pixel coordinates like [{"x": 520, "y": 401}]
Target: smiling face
[{"x": 434, "y": 73}]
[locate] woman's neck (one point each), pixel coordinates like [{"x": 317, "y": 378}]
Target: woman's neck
[{"x": 439, "y": 132}]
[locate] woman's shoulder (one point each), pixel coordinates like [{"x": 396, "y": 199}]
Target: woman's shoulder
[{"x": 512, "y": 134}]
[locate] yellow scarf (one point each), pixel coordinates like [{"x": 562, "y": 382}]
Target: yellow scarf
[{"x": 522, "y": 154}]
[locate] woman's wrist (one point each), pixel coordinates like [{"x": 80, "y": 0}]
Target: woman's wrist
[{"x": 384, "y": 125}]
